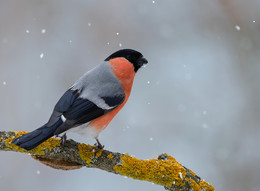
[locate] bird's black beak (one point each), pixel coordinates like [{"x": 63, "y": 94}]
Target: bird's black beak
[{"x": 141, "y": 61}]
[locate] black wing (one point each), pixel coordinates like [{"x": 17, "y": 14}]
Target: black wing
[
  {"x": 78, "y": 110},
  {"x": 63, "y": 105}
]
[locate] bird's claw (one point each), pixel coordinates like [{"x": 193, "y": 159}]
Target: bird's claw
[
  {"x": 63, "y": 138},
  {"x": 98, "y": 145}
]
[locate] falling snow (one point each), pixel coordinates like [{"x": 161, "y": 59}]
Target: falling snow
[
  {"x": 43, "y": 31},
  {"x": 89, "y": 24},
  {"x": 237, "y": 27},
  {"x": 120, "y": 44},
  {"x": 41, "y": 55},
  {"x": 153, "y": 1},
  {"x": 4, "y": 83},
  {"x": 27, "y": 31},
  {"x": 38, "y": 172},
  {"x": 253, "y": 21},
  {"x": 151, "y": 139},
  {"x": 204, "y": 112},
  {"x": 180, "y": 175},
  {"x": 117, "y": 33},
  {"x": 148, "y": 82}
]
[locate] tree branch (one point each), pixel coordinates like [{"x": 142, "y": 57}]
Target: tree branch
[{"x": 165, "y": 170}]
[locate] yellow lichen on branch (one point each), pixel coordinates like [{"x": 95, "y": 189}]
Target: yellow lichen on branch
[
  {"x": 194, "y": 185},
  {"x": 87, "y": 153},
  {"x": 39, "y": 150},
  {"x": 206, "y": 186},
  {"x": 110, "y": 156},
  {"x": 163, "y": 172},
  {"x": 167, "y": 172}
]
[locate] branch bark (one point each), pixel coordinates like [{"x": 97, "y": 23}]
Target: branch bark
[{"x": 165, "y": 170}]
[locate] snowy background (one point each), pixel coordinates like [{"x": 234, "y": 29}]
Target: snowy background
[{"x": 198, "y": 99}]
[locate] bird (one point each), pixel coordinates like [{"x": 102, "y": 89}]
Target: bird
[{"x": 90, "y": 104}]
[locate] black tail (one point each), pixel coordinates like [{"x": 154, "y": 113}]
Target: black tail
[{"x": 36, "y": 137}]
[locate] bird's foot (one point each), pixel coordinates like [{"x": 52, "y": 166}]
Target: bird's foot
[
  {"x": 98, "y": 145},
  {"x": 63, "y": 138}
]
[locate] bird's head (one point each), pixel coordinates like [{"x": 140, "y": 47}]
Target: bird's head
[{"x": 133, "y": 56}]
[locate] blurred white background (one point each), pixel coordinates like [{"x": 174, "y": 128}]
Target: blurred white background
[{"x": 198, "y": 99}]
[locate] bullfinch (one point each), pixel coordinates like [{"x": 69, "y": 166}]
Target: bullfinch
[{"x": 93, "y": 100}]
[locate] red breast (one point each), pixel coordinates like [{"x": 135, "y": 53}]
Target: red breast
[{"x": 124, "y": 71}]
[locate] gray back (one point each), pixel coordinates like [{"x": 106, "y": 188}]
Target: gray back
[{"x": 99, "y": 82}]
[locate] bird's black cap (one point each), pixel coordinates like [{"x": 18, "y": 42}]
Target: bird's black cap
[{"x": 133, "y": 56}]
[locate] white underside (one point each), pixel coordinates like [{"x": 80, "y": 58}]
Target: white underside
[{"x": 85, "y": 130}]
